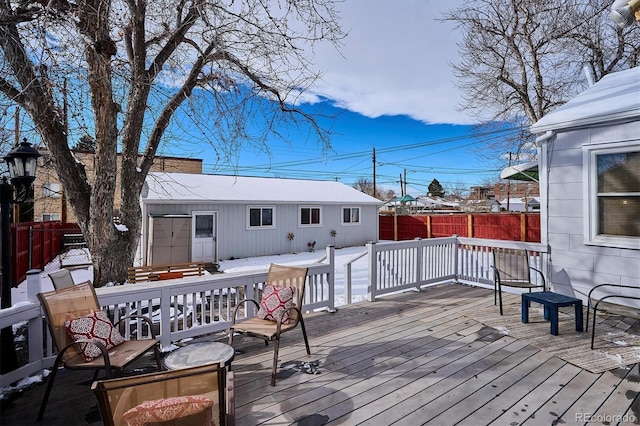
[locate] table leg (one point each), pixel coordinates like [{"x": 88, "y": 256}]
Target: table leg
[
  {"x": 553, "y": 311},
  {"x": 578, "y": 305},
  {"x": 525, "y": 310}
]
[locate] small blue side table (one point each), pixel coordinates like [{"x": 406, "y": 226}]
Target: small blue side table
[{"x": 551, "y": 301}]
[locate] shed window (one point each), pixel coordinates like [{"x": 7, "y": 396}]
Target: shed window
[
  {"x": 613, "y": 196},
  {"x": 309, "y": 216},
  {"x": 260, "y": 217},
  {"x": 350, "y": 215}
]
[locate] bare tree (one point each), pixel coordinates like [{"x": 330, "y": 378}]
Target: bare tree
[
  {"x": 457, "y": 189},
  {"x": 366, "y": 185},
  {"x": 135, "y": 75},
  {"x": 523, "y": 58}
]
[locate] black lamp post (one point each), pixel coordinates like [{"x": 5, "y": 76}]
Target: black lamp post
[{"x": 22, "y": 162}]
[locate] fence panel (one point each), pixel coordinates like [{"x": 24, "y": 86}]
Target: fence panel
[
  {"x": 503, "y": 226},
  {"x": 533, "y": 228},
  {"x": 410, "y": 227},
  {"x": 523, "y": 227},
  {"x": 386, "y": 226},
  {"x": 447, "y": 225},
  {"x": 35, "y": 244}
]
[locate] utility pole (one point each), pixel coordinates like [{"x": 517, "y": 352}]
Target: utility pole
[
  {"x": 374, "y": 172},
  {"x": 405, "y": 183}
]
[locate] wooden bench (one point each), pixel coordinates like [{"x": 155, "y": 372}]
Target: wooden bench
[{"x": 136, "y": 274}]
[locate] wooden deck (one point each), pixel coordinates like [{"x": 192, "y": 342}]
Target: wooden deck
[{"x": 407, "y": 359}]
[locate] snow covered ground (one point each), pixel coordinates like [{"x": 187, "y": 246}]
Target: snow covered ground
[
  {"x": 359, "y": 275},
  {"x": 342, "y": 256}
]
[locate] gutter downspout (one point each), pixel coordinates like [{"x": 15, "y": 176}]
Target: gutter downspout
[{"x": 543, "y": 151}]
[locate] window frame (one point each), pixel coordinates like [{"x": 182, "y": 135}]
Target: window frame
[
  {"x": 351, "y": 222},
  {"x": 310, "y": 207},
  {"x": 261, "y": 226},
  {"x": 591, "y": 196}
]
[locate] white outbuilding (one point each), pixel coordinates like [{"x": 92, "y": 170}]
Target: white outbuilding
[{"x": 199, "y": 217}]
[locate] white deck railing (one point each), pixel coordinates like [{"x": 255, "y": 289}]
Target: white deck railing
[
  {"x": 398, "y": 266},
  {"x": 197, "y": 306}
]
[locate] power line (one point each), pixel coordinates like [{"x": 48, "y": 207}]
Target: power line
[{"x": 286, "y": 165}]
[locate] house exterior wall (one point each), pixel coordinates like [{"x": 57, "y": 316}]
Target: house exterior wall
[
  {"x": 234, "y": 240},
  {"x": 576, "y": 267}
]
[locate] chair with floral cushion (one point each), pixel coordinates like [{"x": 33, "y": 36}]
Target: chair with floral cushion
[
  {"x": 85, "y": 338},
  {"x": 201, "y": 395},
  {"x": 279, "y": 310}
]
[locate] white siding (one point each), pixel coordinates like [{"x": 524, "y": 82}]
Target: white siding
[
  {"x": 235, "y": 241},
  {"x": 576, "y": 267}
]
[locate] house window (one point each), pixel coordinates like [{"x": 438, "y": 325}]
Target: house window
[
  {"x": 309, "y": 216},
  {"x": 50, "y": 216},
  {"x": 51, "y": 190},
  {"x": 260, "y": 217},
  {"x": 351, "y": 215},
  {"x": 613, "y": 195}
]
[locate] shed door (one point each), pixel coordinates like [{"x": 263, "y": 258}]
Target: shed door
[
  {"x": 204, "y": 230},
  {"x": 169, "y": 240}
]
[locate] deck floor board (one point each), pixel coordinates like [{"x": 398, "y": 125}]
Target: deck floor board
[{"x": 406, "y": 359}]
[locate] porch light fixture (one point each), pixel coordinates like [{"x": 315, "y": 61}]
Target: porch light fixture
[{"x": 22, "y": 162}]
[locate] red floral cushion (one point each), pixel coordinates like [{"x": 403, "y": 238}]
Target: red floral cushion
[
  {"x": 178, "y": 410},
  {"x": 275, "y": 301},
  {"x": 95, "y": 326}
]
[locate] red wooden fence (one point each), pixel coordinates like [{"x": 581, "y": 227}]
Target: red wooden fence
[
  {"x": 34, "y": 244},
  {"x": 496, "y": 226}
]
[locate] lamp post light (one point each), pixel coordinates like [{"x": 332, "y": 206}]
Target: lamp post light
[{"x": 22, "y": 162}]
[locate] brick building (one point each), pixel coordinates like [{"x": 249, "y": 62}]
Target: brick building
[
  {"x": 503, "y": 190},
  {"x": 49, "y": 198}
]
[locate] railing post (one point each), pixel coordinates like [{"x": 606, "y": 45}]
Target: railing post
[
  {"x": 36, "y": 343},
  {"x": 165, "y": 317},
  {"x": 34, "y": 285},
  {"x": 456, "y": 271},
  {"x": 250, "y": 294},
  {"x": 419, "y": 258},
  {"x": 331, "y": 256},
  {"x": 373, "y": 271}
]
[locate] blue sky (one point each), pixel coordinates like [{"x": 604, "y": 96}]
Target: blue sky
[{"x": 425, "y": 151}]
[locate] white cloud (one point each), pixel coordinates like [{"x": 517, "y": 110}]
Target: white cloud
[{"x": 395, "y": 60}]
